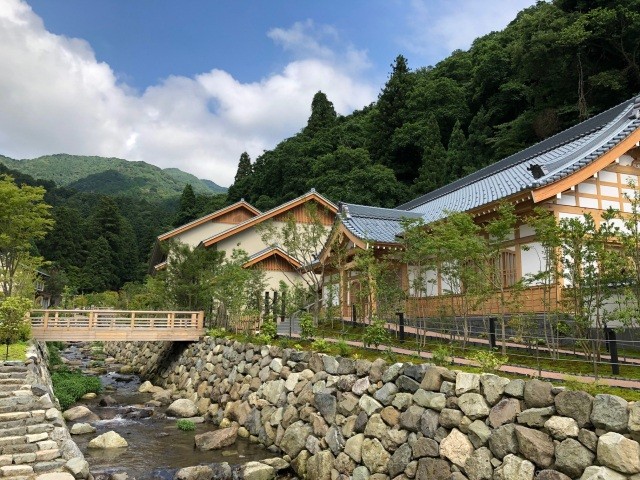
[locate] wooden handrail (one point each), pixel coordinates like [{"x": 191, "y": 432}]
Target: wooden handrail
[{"x": 138, "y": 325}]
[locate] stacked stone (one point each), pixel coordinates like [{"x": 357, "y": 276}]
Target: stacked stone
[
  {"x": 34, "y": 441},
  {"x": 339, "y": 418}
]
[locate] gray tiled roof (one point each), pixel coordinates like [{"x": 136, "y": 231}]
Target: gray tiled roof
[
  {"x": 559, "y": 156},
  {"x": 373, "y": 223}
]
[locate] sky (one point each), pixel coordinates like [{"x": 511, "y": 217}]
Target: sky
[{"x": 193, "y": 84}]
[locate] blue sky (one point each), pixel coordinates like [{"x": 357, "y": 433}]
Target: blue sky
[{"x": 193, "y": 84}]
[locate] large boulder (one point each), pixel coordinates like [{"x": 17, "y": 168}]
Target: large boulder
[
  {"x": 619, "y": 453},
  {"x": 493, "y": 387},
  {"x": 467, "y": 382},
  {"x": 562, "y": 427},
  {"x": 473, "y": 405},
  {"x": 536, "y": 446},
  {"x": 217, "y": 439},
  {"x": 456, "y": 447},
  {"x": 374, "y": 456},
  {"x": 257, "y": 471},
  {"x": 199, "y": 472},
  {"x": 514, "y": 468},
  {"x": 601, "y": 473},
  {"x": 294, "y": 438},
  {"x": 319, "y": 465},
  {"x": 80, "y": 413},
  {"x": 572, "y": 457},
  {"x": 108, "y": 440},
  {"x": 575, "y": 404},
  {"x": 81, "y": 429},
  {"x": 505, "y": 411},
  {"x": 182, "y": 408},
  {"x": 478, "y": 465},
  {"x": 538, "y": 394},
  {"x": 503, "y": 440},
  {"x": 610, "y": 413}
]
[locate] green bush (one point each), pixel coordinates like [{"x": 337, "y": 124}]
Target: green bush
[
  {"x": 442, "y": 355},
  {"x": 217, "y": 332},
  {"x": 376, "y": 333},
  {"x": 343, "y": 348},
  {"x": 70, "y": 386},
  {"x": 320, "y": 345},
  {"x": 185, "y": 425},
  {"x": 489, "y": 361},
  {"x": 54, "y": 353},
  {"x": 269, "y": 328},
  {"x": 307, "y": 326}
]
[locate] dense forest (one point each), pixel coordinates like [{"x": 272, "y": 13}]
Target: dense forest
[{"x": 554, "y": 65}]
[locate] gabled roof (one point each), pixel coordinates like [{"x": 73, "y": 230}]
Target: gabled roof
[
  {"x": 285, "y": 207},
  {"x": 209, "y": 218},
  {"x": 267, "y": 252},
  {"x": 380, "y": 225},
  {"x": 555, "y": 158}
]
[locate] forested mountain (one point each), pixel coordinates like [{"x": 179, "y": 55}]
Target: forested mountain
[
  {"x": 111, "y": 175},
  {"x": 98, "y": 241},
  {"x": 554, "y": 65}
]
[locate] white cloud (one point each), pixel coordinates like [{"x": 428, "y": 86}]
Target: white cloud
[
  {"x": 438, "y": 28},
  {"x": 56, "y": 97}
]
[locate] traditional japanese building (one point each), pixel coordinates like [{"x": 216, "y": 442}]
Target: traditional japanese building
[
  {"x": 585, "y": 169},
  {"x": 238, "y": 226}
]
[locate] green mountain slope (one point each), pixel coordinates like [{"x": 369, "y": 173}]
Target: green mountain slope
[{"x": 110, "y": 175}]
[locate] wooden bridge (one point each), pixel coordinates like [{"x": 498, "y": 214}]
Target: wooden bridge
[{"x": 116, "y": 325}]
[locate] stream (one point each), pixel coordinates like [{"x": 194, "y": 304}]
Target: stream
[{"x": 156, "y": 446}]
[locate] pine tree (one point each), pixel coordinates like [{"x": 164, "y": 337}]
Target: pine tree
[
  {"x": 459, "y": 160},
  {"x": 99, "y": 273},
  {"x": 323, "y": 115},
  {"x": 242, "y": 180},
  {"x": 432, "y": 173},
  {"x": 390, "y": 113},
  {"x": 187, "y": 207}
]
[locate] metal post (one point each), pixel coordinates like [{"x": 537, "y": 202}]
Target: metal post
[
  {"x": 266, "y": 303},
  {"x": 353, "y": 314},
  {"x": 401, "y": 323},
  {"x": 613, "y": 350},
  {"x": 283, "y": 309},
  {"x": 492, "y": 332}
]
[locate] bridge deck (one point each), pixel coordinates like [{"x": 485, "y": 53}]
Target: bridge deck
[{"x": 116, "y": 325}]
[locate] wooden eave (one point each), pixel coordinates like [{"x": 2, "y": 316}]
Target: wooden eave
[
  {"x": 548, "y": 191},
  {"x": 273, "y": 251},
  {"x": 209, "y": 218},
  {"x": 270, "y": 214},
  {"x": 341, "y": 229}
]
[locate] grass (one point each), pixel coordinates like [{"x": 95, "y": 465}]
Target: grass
[
  {"x": 69, "y": 386},
  {"x": 17, "y": 351},
  {"x": 185, "y": 425}
]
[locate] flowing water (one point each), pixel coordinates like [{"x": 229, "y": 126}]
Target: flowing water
[{"x": 156, "y": 447}]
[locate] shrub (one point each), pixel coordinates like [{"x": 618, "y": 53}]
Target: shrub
[
  {"x": 376, "y": 333},
  {"x": 488, "y": 360},
  {"x": 54, "y": 353},
  {"x": 320, "y": 345},
  {"x": 442, "y": 355},
  {"x": 216, "y": 332},
  {"x": 269, "y": 328},
  {"x": 69, "y": 387},
  {"x": 343, "y": 348},
  {"x": 185, "y": 425},
  {"x": 307, "y": 326}
]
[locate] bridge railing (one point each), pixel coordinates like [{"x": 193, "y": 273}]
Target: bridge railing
[{"x": 116, "y": 325}]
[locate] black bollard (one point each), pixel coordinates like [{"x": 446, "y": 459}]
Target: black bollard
[
  {"x": 353, "y": 314},
  {"x": 492, "y": 333},
  {"x": 401, "y": 323},
  {"x": 613, "y": 350}
]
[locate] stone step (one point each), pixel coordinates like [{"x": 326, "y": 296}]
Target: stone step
[
  {"x": 21, "y": 419},
  {"x": 20, "y": 368},
  {"x": 14, "y": 471},
  {"x": 11, "y": 388},
  {"x": 9, "y": 375}
]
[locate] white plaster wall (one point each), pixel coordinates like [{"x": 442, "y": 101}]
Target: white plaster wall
[
  {"x": 533, "y": 260},
  {"x": 194, "y": 236}
]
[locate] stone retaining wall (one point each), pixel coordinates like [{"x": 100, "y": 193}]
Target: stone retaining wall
[
  {"x": 34, "y": 440},
  {"x": 339, "y": 418}
]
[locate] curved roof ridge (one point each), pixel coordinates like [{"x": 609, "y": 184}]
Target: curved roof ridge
[{"x": 566, "y": 136}]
